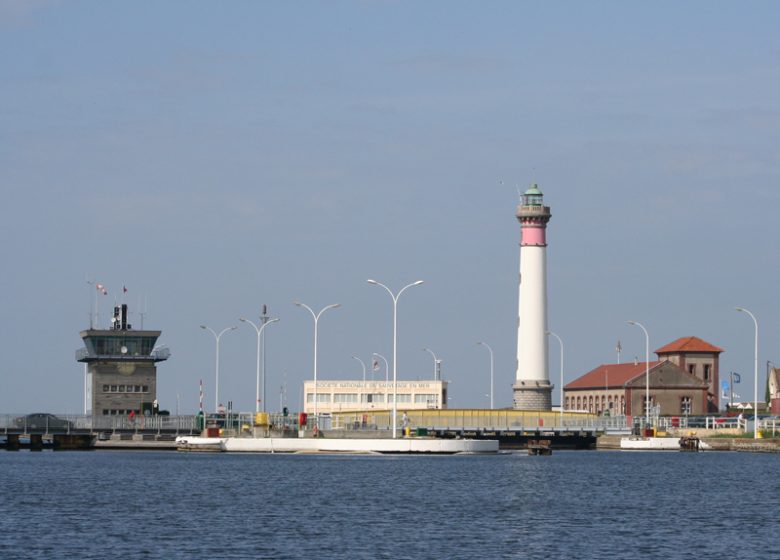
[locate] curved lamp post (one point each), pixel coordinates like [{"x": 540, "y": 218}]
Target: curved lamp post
[
  {"x": 216, "y": 338},
  {"x": 755, "y": 371},
  {"x": 647, "y": 371},
  {"x": 486, "y": 345},
  {"x": 395, "y": 342},
  {"x": 362, "y": 363},
  {"x": 316, "y": 317},
  {"x": 387, "y": 373},
  {"x": 561, "y": 344},
  {"x": 259, "y": 330},
  {"x": 436, "y": 363}
]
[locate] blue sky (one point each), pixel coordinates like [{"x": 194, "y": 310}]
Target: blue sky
[{"x": 213, "y": 157}]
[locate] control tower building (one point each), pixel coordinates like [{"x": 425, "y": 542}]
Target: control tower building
[
  {"x": 123, "y": 366},
  {"x": 532, "y": 389}
]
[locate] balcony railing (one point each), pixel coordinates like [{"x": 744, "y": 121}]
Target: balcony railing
[{"x": 159, "y": 354}]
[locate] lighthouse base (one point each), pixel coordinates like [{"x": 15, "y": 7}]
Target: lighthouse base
[{"x": 532, "y": 395}]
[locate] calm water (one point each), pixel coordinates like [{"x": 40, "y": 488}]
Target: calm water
[{"x": 570, "y": 505}]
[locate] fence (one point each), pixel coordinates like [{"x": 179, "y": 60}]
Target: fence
[
  {"x": 484, "y": 420},
  {"x": 79, "y": 423}
]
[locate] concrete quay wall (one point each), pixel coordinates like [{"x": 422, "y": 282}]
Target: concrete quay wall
[
  {"x": 607, "y": 442},
  {"x": 743, "y": 444}
]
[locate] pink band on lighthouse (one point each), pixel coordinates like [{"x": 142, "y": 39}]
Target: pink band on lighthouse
[{"x": 534, "y": 236}]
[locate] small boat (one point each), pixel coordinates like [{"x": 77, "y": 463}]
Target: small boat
[
  {"x": 539, "y": 447},
  {"x": 689, "y": 443}
]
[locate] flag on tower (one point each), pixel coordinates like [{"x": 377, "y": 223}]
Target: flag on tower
[{"x": 737, "y": 377}]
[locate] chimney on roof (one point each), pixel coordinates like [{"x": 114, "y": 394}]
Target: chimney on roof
[{"x": 636, "y": 361}]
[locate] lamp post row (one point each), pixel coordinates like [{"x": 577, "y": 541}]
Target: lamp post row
[{"x": 395, "y": 296}]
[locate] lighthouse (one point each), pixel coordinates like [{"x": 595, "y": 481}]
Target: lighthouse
[{"x": 532, "y": 389}]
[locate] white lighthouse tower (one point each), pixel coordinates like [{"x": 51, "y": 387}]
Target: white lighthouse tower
[{"x": 532, "y": 389}]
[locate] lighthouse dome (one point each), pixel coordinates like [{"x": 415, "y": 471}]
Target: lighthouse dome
[{"x": 533, "y": 196}]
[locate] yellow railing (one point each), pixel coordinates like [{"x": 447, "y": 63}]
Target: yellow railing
[{"x": 464, "y": 419}]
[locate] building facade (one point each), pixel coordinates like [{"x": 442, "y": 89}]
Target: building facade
[
  {"x": 699, "y": 358},
  {"x": 122, "y": 366},
  {"x": 683, "y": 381},
  {"x": 773, "y": 388},
  {"x": 620, "y": 390},
  {"x": 349, "y": 395}
]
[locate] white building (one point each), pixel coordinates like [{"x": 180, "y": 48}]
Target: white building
[{"x": 351, "y": 395}]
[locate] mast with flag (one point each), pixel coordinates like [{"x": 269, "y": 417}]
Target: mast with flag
[{"x": 99, "y": 289}]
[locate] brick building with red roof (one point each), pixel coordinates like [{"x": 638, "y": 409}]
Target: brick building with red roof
[
  {"x": 699, "y": 358},
  {"x": 684, "y": 380}
]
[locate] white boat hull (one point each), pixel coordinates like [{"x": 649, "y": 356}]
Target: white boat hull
[
  {"x": 650, "y": 443},
  {"x": 325, "y": 445}
]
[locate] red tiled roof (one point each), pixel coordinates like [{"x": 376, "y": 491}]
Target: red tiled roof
[
  {"x": 688, "y": 344},
  {"x": 610, "y": 375}
]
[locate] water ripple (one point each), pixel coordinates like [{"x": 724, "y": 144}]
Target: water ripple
[{"x": 570, "y": 505}]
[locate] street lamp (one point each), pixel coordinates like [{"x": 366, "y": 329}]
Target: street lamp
[
  {"x": 647, "y": 371},
  {"x": 316, "y": 317},
  {"x": 436, "y": 364},
  {"x": 755, "y": 372},
  {"x": 362, "y": 363},
  {"x": 395, "y": 342},
  {"x": 259, "y": 332},
  {"x": 387, "y": 373},
  {"x": 560, "y": 342},
  {"x": 216, "y": 338},
  {"x": 486, "y": 345}
]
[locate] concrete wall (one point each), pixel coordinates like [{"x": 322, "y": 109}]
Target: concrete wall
[
  {"x": 669, "y": 400},
  {"x": 697, "y": 361},
  {"x": 122, "y": 374}
]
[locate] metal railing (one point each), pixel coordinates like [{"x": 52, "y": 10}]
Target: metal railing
[
  {"x": 693, "y": 422},
  {"x": 158, "y": 354},
  {"x": 66, "y": 423},
  {"x": 481, "y": 420},
  {"x": 770, "y": 427},
  {"x": 447, "y": 420}
]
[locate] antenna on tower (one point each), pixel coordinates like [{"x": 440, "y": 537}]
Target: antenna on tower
[
  {"x": 91, "y": 308},
  {"x": 142, "y": 311}
]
